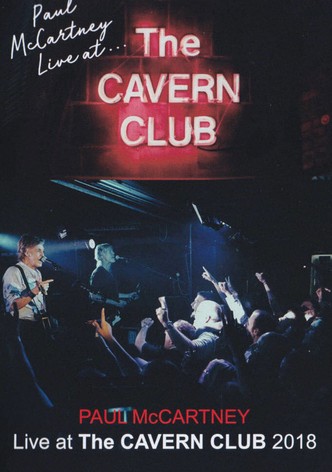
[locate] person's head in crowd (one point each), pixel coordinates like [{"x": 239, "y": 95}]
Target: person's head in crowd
[
  {"x": 310, "y": 308},
  {"x": 208, "y": 314},
  {"x": 30, "y": 250},
  {"x": 186, "y": 328},
  {"x": 201, "y": 296},
  {"x": 260, "y": 322},
  {"x": 294, "y": 311}
]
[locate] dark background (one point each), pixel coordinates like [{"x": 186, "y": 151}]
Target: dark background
[{"x": 284, "y": 44}]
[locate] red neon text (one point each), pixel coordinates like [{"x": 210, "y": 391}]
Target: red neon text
[
  {"x": 181, "y": 88},
  {"x": 200, "y": 130},
  {"x": 189, "y": 44},
  {"x": 169, "y": 88}
]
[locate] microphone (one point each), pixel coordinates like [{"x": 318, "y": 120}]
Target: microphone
[
  {"x": 54, "y": 265},
  {"x": 120, "y": 258}
]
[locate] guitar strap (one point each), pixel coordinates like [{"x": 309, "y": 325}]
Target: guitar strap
[{"x": 39, "y": 315}]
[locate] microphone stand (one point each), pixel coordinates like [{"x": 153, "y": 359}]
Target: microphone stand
[
  {"x": 58, "y": 268},
  {"x": 154, "y": 271},
  {"x": 54, "y": 265}
]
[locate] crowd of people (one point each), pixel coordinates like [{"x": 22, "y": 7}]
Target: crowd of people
[{"x": 227, "y": 354}]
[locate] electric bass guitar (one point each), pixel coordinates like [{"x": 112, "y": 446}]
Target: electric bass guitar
[{"x": 98, "y": 297}]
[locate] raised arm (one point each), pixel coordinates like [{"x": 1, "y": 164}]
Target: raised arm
[
  {"x": 224, "y": 289},
  {"x": 232, "y": 339},
  {"x": 180, "y": 341},
  {"x": 226, "y": 293},
  {"x": 210, "y": 278},
  {"x": 127, "y": 364},
  {"x": 233, "y": 301},
  {"x": 273, "y": 302},
  {"x": 140, "y": 340}
]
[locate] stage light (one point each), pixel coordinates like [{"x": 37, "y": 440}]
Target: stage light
[
  {"x": 8, "y": 242},
  {"x": 74, "y": 238},
  {"x": 91, "y": 243},
  {"x": 84, "y": 243}
]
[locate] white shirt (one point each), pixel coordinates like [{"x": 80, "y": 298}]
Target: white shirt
[
  {"x": 235, "y": 306},
  {"x": 13, "y": 286}
]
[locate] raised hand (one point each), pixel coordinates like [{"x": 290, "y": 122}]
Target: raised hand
[
  {"x": 44, "y": 285},
  {"x": 230, "y": 287},
  {"x": 147, "y": 322},
  {"x": 223, "y": 287},
  {"x": 227, "y": 319},
  {"x": 162, "y": 315},
  {"x": 104, "y": 329},
  {"x": 260, "y": 277},
  {"x": 208, "y": 276}
]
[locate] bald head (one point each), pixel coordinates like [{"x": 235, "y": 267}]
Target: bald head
[
  {"x": 207, "y": 313},
  {"x": 260, "y": 322}
]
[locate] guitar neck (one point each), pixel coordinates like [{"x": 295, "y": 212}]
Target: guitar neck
[{"x": 91, "y": 291}]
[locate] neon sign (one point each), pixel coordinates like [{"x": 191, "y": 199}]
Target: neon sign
[{"x": 191, "y": 88}]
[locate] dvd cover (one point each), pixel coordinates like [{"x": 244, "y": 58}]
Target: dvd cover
[{"x": 165, "y": 189}]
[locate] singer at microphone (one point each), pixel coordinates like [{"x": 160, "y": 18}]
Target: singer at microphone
[
  {"x": 104, "y": 285},
  {"x": 26, "y": 278},
  {"x": 24, "y": 289}
]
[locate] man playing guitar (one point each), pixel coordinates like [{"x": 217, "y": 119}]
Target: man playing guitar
[{"x": 103, "y": 284}]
